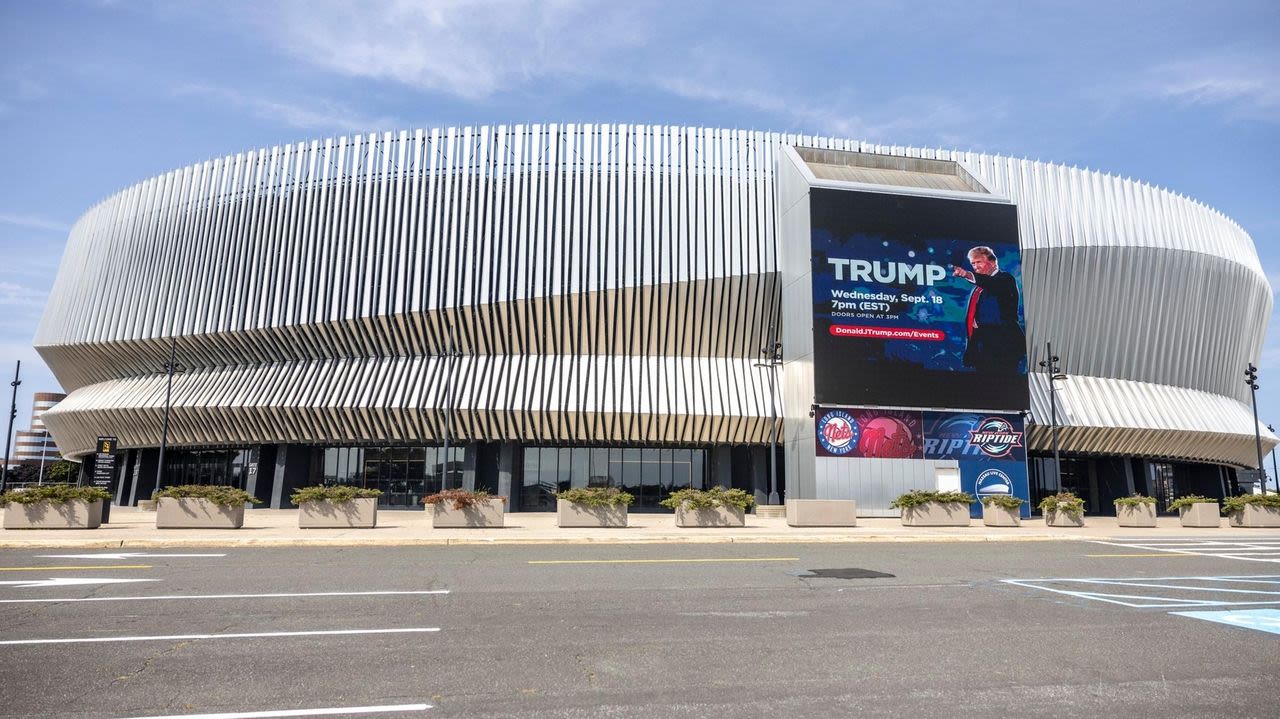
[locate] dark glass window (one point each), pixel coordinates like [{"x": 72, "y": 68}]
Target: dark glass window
[{"x": 649, "y": 473}]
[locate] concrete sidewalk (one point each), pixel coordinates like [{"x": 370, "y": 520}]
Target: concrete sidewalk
[{"x": 130, "y": 527}]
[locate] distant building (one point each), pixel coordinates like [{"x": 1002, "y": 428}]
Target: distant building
[{"x": 33, "y": 445}]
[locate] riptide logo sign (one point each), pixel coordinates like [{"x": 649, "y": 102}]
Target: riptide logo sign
[
  {"x": 995, "y": 437},
  {"x": 838, "y": 433}
]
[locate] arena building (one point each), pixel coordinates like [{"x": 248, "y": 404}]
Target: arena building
[{"x": 534, "y": 307}]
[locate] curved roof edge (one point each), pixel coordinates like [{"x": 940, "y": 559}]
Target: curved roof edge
[{"x": 1124, "y": 417}]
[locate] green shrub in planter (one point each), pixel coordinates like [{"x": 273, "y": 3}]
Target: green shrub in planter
[
  {"x": 715, "y": 507},
  {"x": 1188, "y": 500},
  {"x": 1135, "y": 500},
  {"x": 204, "y": 506},
  {"x": 709, "y": 499},
  {"x": 931, "y": 508},
  {"x": 1137, "y": 510},
  {"x": 1065, "y": 502},
  {"x": 335, "y": 493},
  {"x": 54, "y": 506},
  {"x": 1063, "y": 509},
  {"x": 54, "y": 494},
  {"x": 338, "y": 506},
  {"x": 1003, "y": 501},
  {"x": 592, "y": 507},
  {"x": 918, "y": 497},
  {"x": 1196, "y": 511},
  {"x": 1237, "y": 504},
  {"x": 596, "y": 496},
  {"x": 219, "y": 494},
  {"x": 1001, "y": 510},
  {"x": 1253, "y": 510}
]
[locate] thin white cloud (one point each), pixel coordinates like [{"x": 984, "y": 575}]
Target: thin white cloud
[
  {"x": 13, "y": 295},
  {"x": 316, "y": 114},
  {"x": 1243, "y": 84},
  {"x": 33, "y": 222},
  {"x": 466, "y": 48},
  {"x": 477, "y": 49},
  {"x": 923, "y": 119}
]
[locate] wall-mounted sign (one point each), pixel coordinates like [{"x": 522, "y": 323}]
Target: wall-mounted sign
[{"x": 990, "y": 448}]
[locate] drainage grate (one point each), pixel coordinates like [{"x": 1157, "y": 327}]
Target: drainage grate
[{"x": 845, "y": 573}]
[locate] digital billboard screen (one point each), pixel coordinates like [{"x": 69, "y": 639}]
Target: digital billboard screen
[{"x": 917, "y": 302}]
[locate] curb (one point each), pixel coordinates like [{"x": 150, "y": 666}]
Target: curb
[{"x": 465, "y": 541}]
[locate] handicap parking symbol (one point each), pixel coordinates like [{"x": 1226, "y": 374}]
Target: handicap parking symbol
[{"x": 1263, "y": 620}]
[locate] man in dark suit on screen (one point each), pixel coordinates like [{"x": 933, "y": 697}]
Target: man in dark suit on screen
[{"x": 995, "y": 343}]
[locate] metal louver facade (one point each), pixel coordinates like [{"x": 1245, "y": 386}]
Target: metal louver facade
[{"x": 602, "y": 284}]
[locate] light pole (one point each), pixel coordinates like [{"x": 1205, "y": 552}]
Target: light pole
[
  {"x": 1251, "y": 379},
  {"x": 1055, "y": 374},
  {"x": 772, "y": 359},
  {"x": 169, "y": 367},
  {"x": 44, "y": 442},
  {"x": 1275, "y": 473},
  {"x": 13, "y": 414},
  {"x": 450, "y": 354}
]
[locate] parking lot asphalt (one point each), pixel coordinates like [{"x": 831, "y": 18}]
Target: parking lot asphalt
[{"x": 917, "y": 629}]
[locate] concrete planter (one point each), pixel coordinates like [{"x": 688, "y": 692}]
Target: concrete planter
[
  {"x": 74, "y": 514},
  {"x": 936, "y": 514},
  {"x": 710, "y": 517},
  {"x": 993, "y": 516},
  {"x": 482, "y": 514},
  {"x": 822, "y": 513},
  {"x": 1252, "y": 516},
  {"x": 1200, "y": 514},
  {"x": 146, "y": 505},
  {"x": 1059, "y": 518},
  {"x": 360, "y": 513},
  {"x": 194, "y": 513},
  {"x": 1136, "y": 515},
  {"x": 569, "y": 514}
]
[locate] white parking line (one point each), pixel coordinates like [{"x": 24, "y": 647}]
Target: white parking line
[
  {"x": 1244, "y": 549},
  {"x": 188, "y": 637},
  {"x": 121, "y": 555},
  {"x": 222, "y": 596},
  {"x": 68, "y": 582},
  {"x": 1155, "y": 600},
  {"x": 327, "y": 711}
]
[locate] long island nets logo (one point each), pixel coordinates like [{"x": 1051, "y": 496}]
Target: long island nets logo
[
  {"x": 995, "y": 437},
  {"x": 838, "y": 433}
]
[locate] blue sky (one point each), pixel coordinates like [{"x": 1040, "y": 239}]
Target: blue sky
[{"x": 95, "y": 96}]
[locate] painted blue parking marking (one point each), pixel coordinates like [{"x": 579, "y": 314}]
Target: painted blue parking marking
[{"x": 1263, "y": 620}]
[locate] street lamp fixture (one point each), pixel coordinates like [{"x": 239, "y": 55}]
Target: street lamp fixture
[
  {"x": 13, "y": 414},
  {"x": 1055, "y": 375},
  {"x": 1251, "y": 379},
  {"x": 772, "y": 358}
]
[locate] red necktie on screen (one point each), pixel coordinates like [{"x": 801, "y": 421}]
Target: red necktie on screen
[{"x": 970, "y": 322}]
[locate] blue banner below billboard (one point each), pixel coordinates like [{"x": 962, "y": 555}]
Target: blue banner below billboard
[
  {"x": 991, "y": 450},
  {"x": 989, "y": 447},
  {"x": 986, "y": 478}
]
